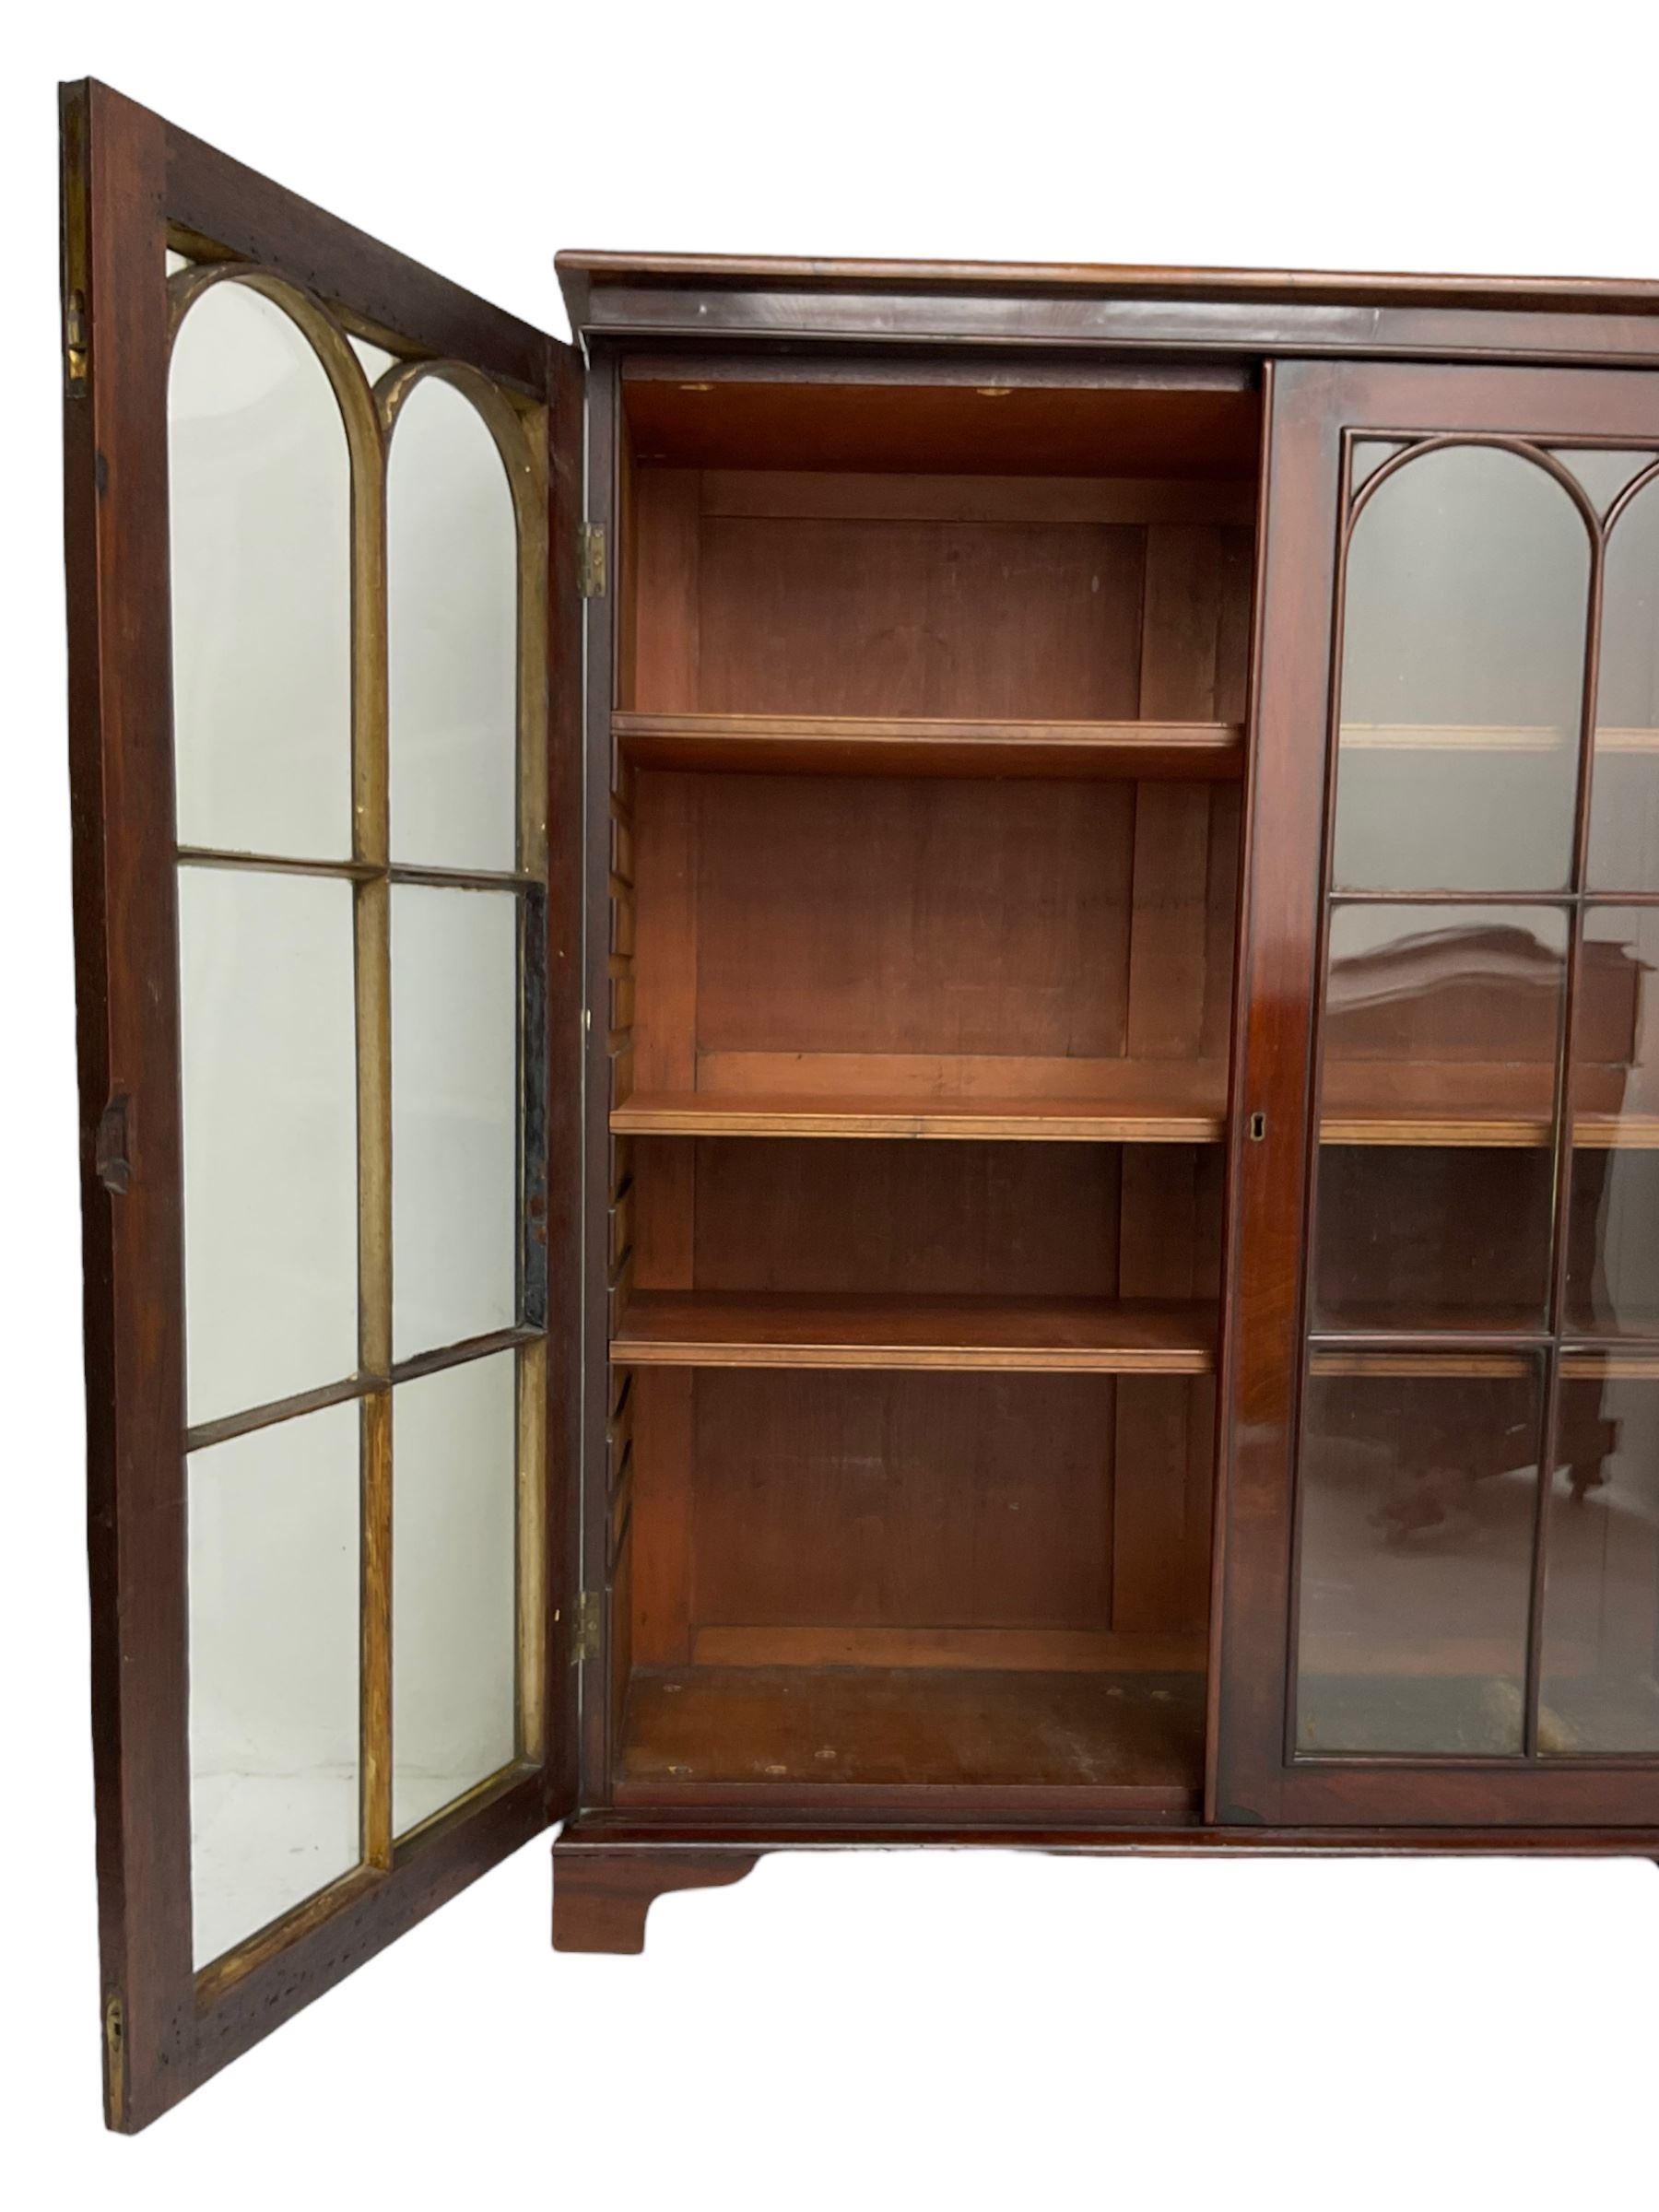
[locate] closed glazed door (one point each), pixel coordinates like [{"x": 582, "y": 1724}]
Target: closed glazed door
[{"x": 1443, "y": 1583}]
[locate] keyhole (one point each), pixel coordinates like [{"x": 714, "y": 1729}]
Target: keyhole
[{"x": 1258, "y": 1127}]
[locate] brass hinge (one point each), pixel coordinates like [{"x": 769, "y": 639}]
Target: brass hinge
[
  {"x": 77, "y": 250},
  {"x": 587, "y": 1626},
  {"x": 115, "y": 2059},
  {"x": 78, "y": 344},
  {"x": 590, "y": 560}
]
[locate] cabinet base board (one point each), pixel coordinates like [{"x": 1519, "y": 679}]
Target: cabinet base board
[{"x": 608, "y": 1872}]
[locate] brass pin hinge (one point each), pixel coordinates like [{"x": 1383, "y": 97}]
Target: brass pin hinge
[
  {"x": 585, "y": 1628},
  {"x": 78, "y": 344},
  {"x": 77, "y": 250},
  {"x": 590, "y": 560},
  {"x": 115, "y": 2059}
]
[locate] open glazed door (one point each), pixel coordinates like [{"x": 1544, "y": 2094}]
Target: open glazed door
[
  {"x": 324, "y": 708},
  {"x": 1441, "y": 1580}
]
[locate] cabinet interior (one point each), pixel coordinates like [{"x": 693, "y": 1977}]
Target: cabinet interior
[{"x": 924, "y": 869}]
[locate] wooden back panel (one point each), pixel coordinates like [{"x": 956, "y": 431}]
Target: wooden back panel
[
  {"x": 916, "y": 937},
  {"x": 803, "y": 593},
  {"x": 893, "y": 1216}
]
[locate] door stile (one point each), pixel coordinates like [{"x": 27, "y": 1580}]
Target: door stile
[
  {"x": 564, "y": 1382},
  {"x": 1240, "y": 1142},
  {"x": 602, "y": 1155},
  {"x": 1273, "y": 1074},
  {"x": 1343, "y": 526},
  {"x": 121, "y": 790}
]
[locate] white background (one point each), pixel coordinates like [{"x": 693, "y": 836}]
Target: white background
[{"x": 883, "y": 2030}]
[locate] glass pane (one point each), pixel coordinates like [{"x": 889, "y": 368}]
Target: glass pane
[
  {"x": 269, "y": 1088},
  {"x": 1624, "y": 808},
  {"x": 1368, "y": 456},
  {"x": 259, "y": 522},
  {"x": 1430, "y": 1237},
  {"x": 1442, "y": 1025},
  {"x": 375, "y": 359},
  {"x": 452, "y": 584},
  {"x": 1600, "y": 1673},
  {"x": 1462, "y": 678},
  {"x": 1603, "y": 472},
  {"x": 1613, "y": 1259},
  {"x": 274, "y": 1540},
  {"x": 454, "y": 1115},
  {"x": 454, "y": 1583},
  {"x": 1417, "y": 1497}
]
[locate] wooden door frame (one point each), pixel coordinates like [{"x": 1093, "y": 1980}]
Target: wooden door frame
[
  {"x": 134, "y": 185},
  {"x": 1254, "y": 1780}
]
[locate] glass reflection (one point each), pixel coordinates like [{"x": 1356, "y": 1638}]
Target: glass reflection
[
  {"x": 452, "y": 587},
  {"x": 1442, "y": 1036},
  {"x": 1600, "y": 1667},
  {"x": 454, "y": 1643},
  {"x": 1462, "y": 677},
  {"x": 273, "y": 1583},
  {"x": 1613, "y": 1255},
  {"x": 259, "y": 488},
  {"x": 1443, "y": 1023},
  {"x": 1418, "y": 1496}
]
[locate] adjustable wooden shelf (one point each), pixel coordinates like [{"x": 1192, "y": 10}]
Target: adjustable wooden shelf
[
  {"x": 1155, "y": 1104},
  {"x": 1104, "y": 1337},
  {"x": 845, "y": 744}
]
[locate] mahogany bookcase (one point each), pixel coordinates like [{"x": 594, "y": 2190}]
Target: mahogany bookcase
[{"x": 874, "y": 1065}]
